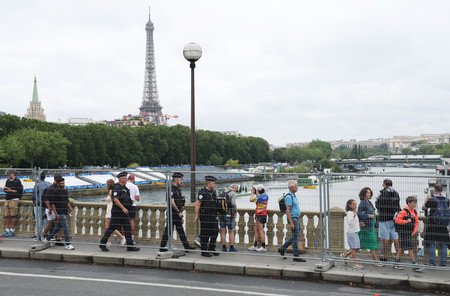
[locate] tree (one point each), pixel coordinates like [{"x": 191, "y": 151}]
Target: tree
[
  {"x": 13, "y": 150},
  {"x": 232, "y": 163}
]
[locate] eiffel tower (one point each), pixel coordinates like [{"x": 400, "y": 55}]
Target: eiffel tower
[{"x": 151, "y": 108}]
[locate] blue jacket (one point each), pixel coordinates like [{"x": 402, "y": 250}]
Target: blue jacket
[
  {"x": 365, "y": 209},
  {"x": 37, "y": 192}
]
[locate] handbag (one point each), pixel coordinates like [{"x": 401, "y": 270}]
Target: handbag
[{"x": 362, "y": 224}]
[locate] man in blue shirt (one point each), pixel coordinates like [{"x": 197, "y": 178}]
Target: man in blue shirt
[
  {"x": 37, "y": 194},
  {"x": 293, "y": 218}
]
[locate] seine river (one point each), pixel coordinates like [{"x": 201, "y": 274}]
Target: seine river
[{"x": 407, "y": 181}]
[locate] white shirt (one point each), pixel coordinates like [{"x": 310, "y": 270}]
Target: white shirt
[
  {"x": 352, "y": 222},
  {"x": 134, "y": 191}
]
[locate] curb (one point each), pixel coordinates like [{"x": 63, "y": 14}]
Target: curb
[{"x": 292, "y": 272}]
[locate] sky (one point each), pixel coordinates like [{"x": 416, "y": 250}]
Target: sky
[{"x": 287, "y": 70}]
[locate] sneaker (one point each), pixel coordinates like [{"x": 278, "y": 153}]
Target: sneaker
[
  {"x": 206, "y": 254},
  {"x": 233, "y": 250},
  {"x": 9, "y": 234},
  {"x": 59, "y": 243},
  {"x": 108, "y": 244},
  {"x": 214, "y": 252},
  {"x": 252, "y": 248},
  {"x": 197, "y": 242},
  {"x": 103, "y": 248},
  {"x": 416, "y": 268},
  {"x": 281, "y": 253},
  {"x": 5, "y": 233},
  {"x": 70, "y": 247},
  {"x": 224, "y": 249},
  {"x": 261, "y": 249},
  {"x": 358, "y": 266},
  {"x": 123, "y": 242},
  {"x": 298, "y": 259},
  {"x": 398, "y": 267},
  {"x": 378, "y": 264},
  {"x": 133, "y": 249},
  {"x": 188, "y": 247}
]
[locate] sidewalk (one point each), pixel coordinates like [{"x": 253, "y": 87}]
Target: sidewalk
[{"x": 245, "y": 262}]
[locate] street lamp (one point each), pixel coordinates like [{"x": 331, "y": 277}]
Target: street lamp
[{"x": 192, "y": 52}]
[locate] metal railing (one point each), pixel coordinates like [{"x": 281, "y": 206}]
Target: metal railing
[{"x": 322, "y": 203}]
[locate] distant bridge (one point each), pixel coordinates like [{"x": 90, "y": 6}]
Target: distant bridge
[{"x": 395, "y": 159}]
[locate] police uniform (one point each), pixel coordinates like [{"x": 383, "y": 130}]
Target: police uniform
[
  {"x": 176, "y": 220},
  {"x": 209, "y": 227},
  {"x": 118, "y": 217}
]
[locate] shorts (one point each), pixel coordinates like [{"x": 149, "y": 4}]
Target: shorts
[
  {"x": 353, "y": 240},
  {"x": 387, "y": 230},
  {"x": 261, "y": 218},
  {"x": 406, "y": 242},
  {"x": 50, "y": 217},
  {"x": 132, "y": 213},
  {"x": 226, "y": 222},
  {"x": 11, "y": 208}
]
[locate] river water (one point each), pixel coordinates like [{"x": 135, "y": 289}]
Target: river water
[{"x": 407, "y": 181}]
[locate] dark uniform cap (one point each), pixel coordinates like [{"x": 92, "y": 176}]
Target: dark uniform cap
[
  {"x": 177, "y": 175},
  {"x": 121, "y": 175},
  {"x": 210, "y": 178}
]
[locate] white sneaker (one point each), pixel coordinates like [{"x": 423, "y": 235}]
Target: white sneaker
[
  {"x": 197, "y": 242},
  {"x": 70, "y": 247},
  {"x": 252, "y": 248},
  {"x": 108, "y": 244},
  {"x": 261, "y": 249},
  {"x": 123, "y": 242}
]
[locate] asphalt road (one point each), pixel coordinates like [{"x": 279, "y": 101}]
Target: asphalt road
[{"x": 41, "y": 278}]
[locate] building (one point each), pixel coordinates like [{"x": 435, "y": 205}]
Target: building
[
  {"x": 35, "y": 111},
  {"x": 80, "y": 121}
]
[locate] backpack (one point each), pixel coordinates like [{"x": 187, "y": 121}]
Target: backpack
[
  {"x": 223, "y": 203},
  {"x": 408, "y": 227},
  {"x": 441, "y": 215},
  {"x": 282, "y": 203}
]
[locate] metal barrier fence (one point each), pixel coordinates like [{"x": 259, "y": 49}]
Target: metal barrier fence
[{"x": 322, "y": 199}]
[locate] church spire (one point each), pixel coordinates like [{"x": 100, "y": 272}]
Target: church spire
[
  {"x": 35, "y": 92},
  {"x": 35, "y": 111}
]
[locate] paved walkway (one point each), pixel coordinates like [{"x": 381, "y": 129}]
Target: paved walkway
[{"x": 269, "y": 264}]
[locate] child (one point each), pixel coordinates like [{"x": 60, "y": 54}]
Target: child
[
  {"x": 352, "y": 232},
  {"x": 406, "y": 225}
]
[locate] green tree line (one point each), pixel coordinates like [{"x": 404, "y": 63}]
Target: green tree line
[{"x": 27, "y": 142}]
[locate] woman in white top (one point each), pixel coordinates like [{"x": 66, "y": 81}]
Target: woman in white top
[
  {"x": 109, "y": 186},
  {"x": 352, "y": 232}
]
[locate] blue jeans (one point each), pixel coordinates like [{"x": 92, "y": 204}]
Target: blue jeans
[
  {"x": 40, "y": 225},
  {"x": 62, "y": 224},
  {"x": 432, "y": 251},
  {"x": 294, "y": 238}
]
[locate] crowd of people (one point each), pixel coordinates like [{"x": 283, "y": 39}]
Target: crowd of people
[{"x": 394, "y": 224}]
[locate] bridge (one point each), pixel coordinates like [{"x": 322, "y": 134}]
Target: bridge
[{"x": 396, "y": 159}]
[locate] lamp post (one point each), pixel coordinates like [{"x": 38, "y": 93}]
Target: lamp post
[{"x": 192, "y": 52}]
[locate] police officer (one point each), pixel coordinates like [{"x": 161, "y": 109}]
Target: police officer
[
  {"x": 178, "y": 202},
  {"x": 119, "y": 214},
  {"x": 206, "y": 210}
]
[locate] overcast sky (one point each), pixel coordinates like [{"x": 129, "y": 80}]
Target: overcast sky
[{"x": 286, "y": 70}]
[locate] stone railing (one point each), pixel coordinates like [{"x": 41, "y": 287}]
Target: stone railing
[{"x": 89, "y": 221}]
